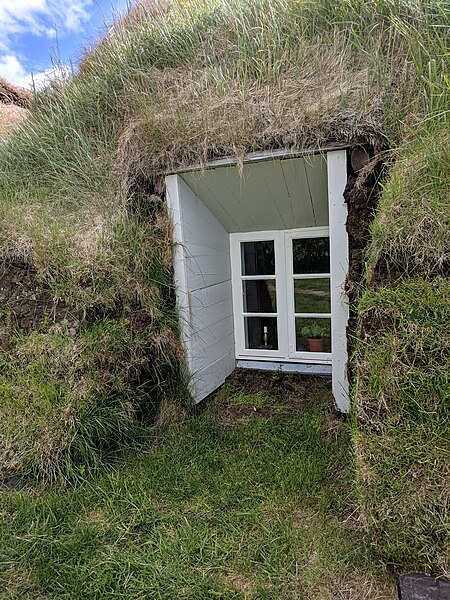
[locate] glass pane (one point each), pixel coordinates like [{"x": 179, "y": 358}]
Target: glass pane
[
  {"x": 261, "y": 333},
  {"x": 260, "y": 296},
  {"x": 311, "y": 255},
  {"x": 313, "y": 335},
  {"x": 258, "y": 258},
  {"x": 312, "y": 295}
]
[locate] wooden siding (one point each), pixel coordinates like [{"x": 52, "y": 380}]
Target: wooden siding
[
  {"x": 276, "y": 194},
  {"x": 337, "y": 178},
  {"x": 203, "y": 280}
]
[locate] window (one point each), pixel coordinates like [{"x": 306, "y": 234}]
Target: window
[{"x": 281, "y": 294}]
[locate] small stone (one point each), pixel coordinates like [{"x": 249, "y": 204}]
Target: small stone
[
  {"x": 419, "y": 586},
  {"x": 13, "y": 484}
]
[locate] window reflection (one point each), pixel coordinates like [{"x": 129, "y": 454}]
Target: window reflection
[
  {"x": 261, "y": 333},
  {"x": 312, "y": 295},
  {"x": 260, "y": 296},
  {"x": 258, "y": 258},
  {"x": 311, "y": 255}
]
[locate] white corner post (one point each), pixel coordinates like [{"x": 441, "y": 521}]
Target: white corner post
[
  {"x": 175, "y": 213},
  {"x": 339, "y": 252}
]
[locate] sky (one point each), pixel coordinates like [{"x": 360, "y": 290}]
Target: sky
[{"x": 37, "y": 34}]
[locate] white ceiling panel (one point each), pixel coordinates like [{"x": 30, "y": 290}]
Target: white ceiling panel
[{"x": 272, "y": 194}]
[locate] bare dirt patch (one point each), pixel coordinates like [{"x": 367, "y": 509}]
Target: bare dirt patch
[
  {"x": 291, "y": 389},
  {"x": 239, "y": 583},
  {"x": 265, "y": 395}
]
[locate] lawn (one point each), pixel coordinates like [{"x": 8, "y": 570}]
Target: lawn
[{"x": 250, "y": 498}]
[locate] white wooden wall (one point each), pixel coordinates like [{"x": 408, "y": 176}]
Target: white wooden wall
[
  {"x": 337, "y": 178},
  {"x": 203, "y": 280}
]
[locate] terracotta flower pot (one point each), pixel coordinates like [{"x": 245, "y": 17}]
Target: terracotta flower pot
[{"x": 315, "y": 344}]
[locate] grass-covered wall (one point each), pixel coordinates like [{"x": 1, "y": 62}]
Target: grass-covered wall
[
  {"x": 401, "y": 395},
  {"x": 85, "y": 240}
]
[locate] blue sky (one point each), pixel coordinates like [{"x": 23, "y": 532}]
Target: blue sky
[{"x": 34, "y": 31}]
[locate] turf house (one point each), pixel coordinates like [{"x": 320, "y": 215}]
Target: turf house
[
  {"x": 14, "y": 104},
  {"x": 259, "y": 184}
]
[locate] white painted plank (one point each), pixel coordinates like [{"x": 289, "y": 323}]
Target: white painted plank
[
  {"x": 259, "y": 156},
  {"x": 276, "y": 184},
  {"x": 201, "y": 259},
  {"x": 211, "y": 377},
  {"x": 175, "y": 212},
  {"x": 316, "y": 174},
  {"x": 207, "y": 269},
  {"x": 295, "y": 176},
  {"x": 206, "y": 336},
  {"x": 256, "y": 198},
  {"x": 197, "y": 218},
  {"x": 337, "y": 177},
  {"x": 231, "y": 192},
  {"x": 200, "y": 183},
  {"x": 210, "y": 354},
  {"x": 208, "y": 305},
  {"x": 196, "y": 182},
  {"x": 285, "y": 367}
]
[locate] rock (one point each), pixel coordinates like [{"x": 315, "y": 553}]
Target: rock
[
  {"x": 13, "y": 484},
  {"x": 419, "y": 586}
]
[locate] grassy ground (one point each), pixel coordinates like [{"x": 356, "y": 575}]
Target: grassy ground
[{"x": 250, "y": 499}]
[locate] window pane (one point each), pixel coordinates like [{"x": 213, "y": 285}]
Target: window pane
[
  {"x": 258, "y": 258},
  {"x": 261, "y": 333},
  {"x": 311, "y": 255},
  {"x": 312, "y": 295},
  {"x": 260, "y": 296},
  {"x": 313, "y": 335}
]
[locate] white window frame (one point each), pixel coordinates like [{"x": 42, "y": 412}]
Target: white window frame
[
  {"x": 289, "y": 236},
  {"x": 237, "y": 285},
  {"x": 284, "y": 278}
]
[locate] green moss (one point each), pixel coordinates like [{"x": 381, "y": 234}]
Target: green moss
[
  {"x": 401, "y": 424},
  {"x": 70, "y": 400}
]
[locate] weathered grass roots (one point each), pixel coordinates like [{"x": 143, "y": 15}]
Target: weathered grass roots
[
  {"x": 257, "y": 509},
  {"x": 180, "y": 82}
]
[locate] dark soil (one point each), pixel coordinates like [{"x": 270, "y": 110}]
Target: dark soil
[
  {"x": 25, "y": 305},
  {"x": 285, "y": 387},
  {"x": 287, "y": 394},
  {"x": 362, "y": 196}
]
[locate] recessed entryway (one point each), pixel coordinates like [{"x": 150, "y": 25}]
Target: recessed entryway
[{"x": 260, "y": 265}]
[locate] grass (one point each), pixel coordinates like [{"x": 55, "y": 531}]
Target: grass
[
  {"x": 176, "y": 83},
  {"x": 179, "y": 82},
  {"x": 258, "y": 507},
  {"x": 401, "y": 400},
  {"x": 401, "y": 427}
]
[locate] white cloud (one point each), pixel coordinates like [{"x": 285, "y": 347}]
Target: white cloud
[
  {"x": 44, "y": 18},
  {"x": 12, "y": 70},
  {"x": 41, "y": 17}
]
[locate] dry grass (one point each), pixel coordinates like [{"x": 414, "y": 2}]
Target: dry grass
[
  {"x": 14, "y": 94},
  {"x": 10, "y": 116},
  {"x": 358, "y": 586}
]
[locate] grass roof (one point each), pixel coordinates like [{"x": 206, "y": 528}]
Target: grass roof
[{"x": 14, "y": 104}]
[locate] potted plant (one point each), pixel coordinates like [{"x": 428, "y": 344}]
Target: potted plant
[{"x": 315, "y": 333}]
